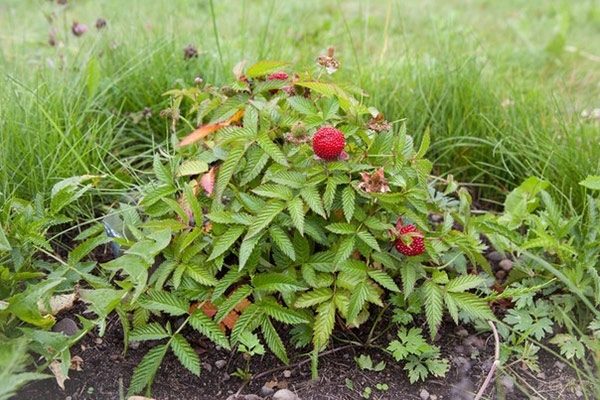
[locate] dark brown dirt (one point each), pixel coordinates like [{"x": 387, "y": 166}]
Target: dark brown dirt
[{"x": 106, "y": 373}]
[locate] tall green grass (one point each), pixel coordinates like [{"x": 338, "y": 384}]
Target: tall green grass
[{"x": 500, "y": 97}]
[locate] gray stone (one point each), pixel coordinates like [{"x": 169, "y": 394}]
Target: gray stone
[
  {"x": 66, "y": 326},
  {"x": 508, "y": 383},
  {"x": 220, "y": 363},
  {"x": 506, "y": 264},
  {"x": 206, "y": 366},
  {"x": 285, "y": 394},
  {"x": 424, "y": 394},
  {"x": 287, "y": 373},
  {"x": 495, "y": 256},
  {"x": 266, "y": 390}
]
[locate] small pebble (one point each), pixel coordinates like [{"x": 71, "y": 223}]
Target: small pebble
[
  {"x": 134, "y": 345},
  {"x": 66, "y": 326},
  {"x": 98, "y": 340},
  {"x": 220, "y": 363},
  {"x": 287, "y": 373},
  {"x": 266, "y": 390},
  {"x": 500, "y": 274},
  {"x": 424, "y": 394},
  {"x": 207, "y": 367},
  {"x": 226, "y": 377},
  {"x": 432, "y": 397},
  {"x": 508, "y": 383},
  {"x": 285, "y": 394},
  {"x": 559, "y": 365},
  {"x": 506, "y": 264},
  {"x": 462, "y": 332}
]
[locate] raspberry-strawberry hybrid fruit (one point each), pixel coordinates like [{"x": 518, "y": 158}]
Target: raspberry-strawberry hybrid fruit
[
  {"x": 410, "y": 241},
  {"x": 328, "y": 143},
  {"x": 278, "y": 76}
]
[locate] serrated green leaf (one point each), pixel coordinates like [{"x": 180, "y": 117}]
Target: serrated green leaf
[
  {"x": 369, "y": 240},
  {"x": 463, "y": 283},
  {"x": 313, "y": 200},
  {"x": 475, "y": 307},
  {"x": 345, "y": 249},
  {"x": 424, "y": 145},
  {"x": 144, "y": 373},
  {"x": 302, "y": 105},
  {"x": 271, "y": 149},
  {"x": 224, "y": 242},
  {"x": 246, "y": 249},
  {"x": 591, "y": 182},
  {"x": 167, "y": 302},
  {"x": 186, "y": 355},
  {"x": 247, "y": 322},
  {"x": 273, "y": 281},
  {"x": 231, "y": 301},
  {"x": 273, "y": 191},
  {"x": 227, "y": 169},
  {"x": 348, "y": 202},
  {"x": 296, "y": 209},
  {"x": 273, "y": 340},
  {"x": 358, "y": 298},
  {"x": 281, "y": 313},
  {"x": 192, "y": 167},
  {"x": 317, "y": 296},
  {"x": 152, "y": 331},
  {"x": 383, "y": 279},
  {"x": 262, "y": 68},
  {"x": 264, "y": 217},
  {"x": 200, "y": 274},
  {"x": 341, "y": 228},
  {"x": 324, "y": 322},
  {"x": 282, "y": 241},
  {"x": 434, "y": 307},
  {"x": 209, "y": 328}
]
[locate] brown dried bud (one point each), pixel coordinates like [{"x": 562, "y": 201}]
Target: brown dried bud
[
  {"x": 328, "y": 61},
  {"x": 100, "y": 23},
  {"x": 374, "y": 183},
  {"x": 190, "y": 52},
  {"x": 78, "y": 29},
  {"x": 379, "y": 124}
]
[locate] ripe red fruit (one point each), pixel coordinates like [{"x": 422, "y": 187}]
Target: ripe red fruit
[
  {"x": 328, "y": 143},
  {"x": 278, "y": 76},
  {"x": 410, "y": 241}
]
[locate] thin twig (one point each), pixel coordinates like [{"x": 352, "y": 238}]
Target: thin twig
[
  {"x": 490, "y": 374},
  {"x": 296, "y": 365}
]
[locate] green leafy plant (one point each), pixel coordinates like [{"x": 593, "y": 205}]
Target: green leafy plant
[
  {"x": 247, "y": 224},
  {"x": 36, "y": 284},
  {"x": 421, "y": 359}
]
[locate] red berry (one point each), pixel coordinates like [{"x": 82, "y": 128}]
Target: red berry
[
  {"x": 328, "y": 143},
  {"x": 410, "y": 241},
  {"x": 278, "y": 76}
]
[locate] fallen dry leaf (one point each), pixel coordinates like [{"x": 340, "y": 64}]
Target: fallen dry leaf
[
  {"x": 76, "y": 363},
  {"x": 205, "y": 130},
  {"x": 207, "y": 181},
  {"x": 56, "y": 368},
  {"x": 58, "y": 303}
]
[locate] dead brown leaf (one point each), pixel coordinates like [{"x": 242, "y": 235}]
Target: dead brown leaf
[{"x": 205, "y": 130}]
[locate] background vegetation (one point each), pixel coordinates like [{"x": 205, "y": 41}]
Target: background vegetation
[{"x": 500, "y": 85}]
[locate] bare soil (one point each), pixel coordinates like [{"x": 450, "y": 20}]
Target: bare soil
[{"x": 106, "y": 373}]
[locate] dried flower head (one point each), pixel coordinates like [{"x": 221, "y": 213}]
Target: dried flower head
[
  {"x": 379, "y": 124},
  {"x": 328, "y": 61},
  {"x": 374, "y": 182},
  {"x": 78, "y": 29},
  {"x": 190, "y": 52},
  {"x": 52, "y": 38},
  {"x": 100, "y": 23}
]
